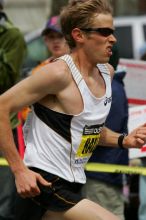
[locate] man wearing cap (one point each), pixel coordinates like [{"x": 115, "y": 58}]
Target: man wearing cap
[
  {"x": 54, "y": 41},
  {"x": 12, "y": 51}
]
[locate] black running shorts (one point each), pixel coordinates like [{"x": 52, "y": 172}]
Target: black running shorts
[{"x": 61, "y": 196}]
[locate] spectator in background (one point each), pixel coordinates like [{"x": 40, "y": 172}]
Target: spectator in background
[
  {"x": 106, "y": 188},
  {"x": 142, "y": 179},
  {"x": 12, "y": 51},
  {"x": 54, "y": 41}
]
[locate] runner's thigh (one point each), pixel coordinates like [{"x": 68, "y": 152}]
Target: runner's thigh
[{"x": 83, "y": 210}]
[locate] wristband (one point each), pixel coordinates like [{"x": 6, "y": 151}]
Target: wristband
[{"x": 120, "y": 140}]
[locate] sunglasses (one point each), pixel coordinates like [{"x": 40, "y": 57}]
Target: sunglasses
[{"x": 103, "y": 31}]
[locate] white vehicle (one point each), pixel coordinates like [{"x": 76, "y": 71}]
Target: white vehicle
[{"x": 131, "y": 35}]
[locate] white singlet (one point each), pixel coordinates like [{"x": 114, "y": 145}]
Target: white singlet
[{"x": 61, "y": 144}]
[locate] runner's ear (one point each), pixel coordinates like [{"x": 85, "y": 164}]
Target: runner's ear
[{"x": 77, "y": 35}]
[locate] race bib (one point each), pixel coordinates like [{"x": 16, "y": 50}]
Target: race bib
[{"x": 90, "y": 139}]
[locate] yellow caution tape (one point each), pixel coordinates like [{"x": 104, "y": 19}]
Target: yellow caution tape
[
  {"x": 112, "y": 168},
  {"x": 3, "y": 162},
  {"x": 100, "y": 167}
]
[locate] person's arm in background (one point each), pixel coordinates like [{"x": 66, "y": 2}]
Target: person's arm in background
[{"x": 117, "y": 119}]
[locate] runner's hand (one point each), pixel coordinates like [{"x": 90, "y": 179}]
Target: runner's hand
[
  {"x": 27, "y": 183},
  {"x": 137, "y": 138}
]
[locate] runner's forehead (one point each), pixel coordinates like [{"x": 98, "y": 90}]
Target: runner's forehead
[{"x": 103, "y": 20}]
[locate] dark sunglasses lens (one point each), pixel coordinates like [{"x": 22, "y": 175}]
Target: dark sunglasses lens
[{"x": 105, "y": 31}]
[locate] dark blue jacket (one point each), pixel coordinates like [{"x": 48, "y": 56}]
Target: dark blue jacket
[{"x": 116, "y": 121}]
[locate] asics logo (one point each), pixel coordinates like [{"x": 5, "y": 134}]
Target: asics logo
[{"x": 107, "y": 100}]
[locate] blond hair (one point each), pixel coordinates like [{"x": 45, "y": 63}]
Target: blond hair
[{"x": 80, "y": 14}]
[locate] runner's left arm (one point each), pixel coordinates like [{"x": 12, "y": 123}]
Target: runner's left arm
[{"x": 135, "y": 139}]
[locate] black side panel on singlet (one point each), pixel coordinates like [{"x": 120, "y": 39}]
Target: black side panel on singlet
[{"x": 59, "y": 122}]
